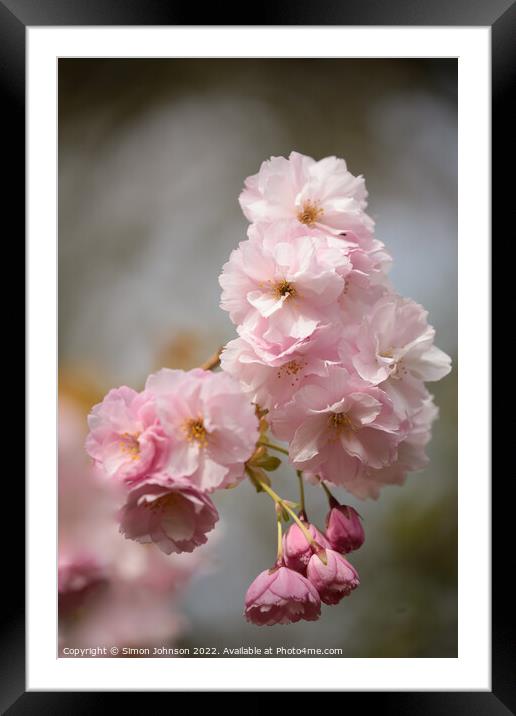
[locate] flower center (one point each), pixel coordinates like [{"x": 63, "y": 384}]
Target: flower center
[
  {"x": 310, "y": 212},
  {"x": 293, "y": 367},
  {"x": 284, "y": 289},
  {"x": 164, "y": 502},
  {"x": 129, "y": 445},
  {"x": 291, "y": 370},
  {"x": 398, "y": 368},
  {"x": 195, "y": 431},
  {"x": 340, "y": 422}
]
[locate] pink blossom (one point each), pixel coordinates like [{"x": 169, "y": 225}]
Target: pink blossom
[
  {"x": 335, "y": 579},
  {"x": 280, "y": 596},
  {"x": 211, "y": 424},
  {"x": 170, "y": 512},
  {"x": 339, "y": 425},
  {"x": 317, "y": 194},
  {"x": 412, "y": 449},
  {"x": 411, "y": 455},
  {"x": 344, "y": 528},
  {"x": 79, "y": 575},
  {"x": 292, "y": 284},
  {"x": 270, "y": 373},
  {"x": 395, "y": 343},
  {"x": 364, "y": 266},
  {"x": 126, "y": 439},
  {"x": 296, "y": 549},
  {"x": 135, "y": 603},
  {"x": 366, "y": 283},
  {"x": 267, "y": 235}
]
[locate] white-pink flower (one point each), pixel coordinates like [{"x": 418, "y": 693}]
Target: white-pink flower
[
  {"x": 268, "y": 235},
  {"x": 316, "y": 194},
  {"x": 366, "y": 283},
  {"x": 271, "y": 373},
  {"x": 395, "y": 342},
  {"x": 210, "y": 422},
  {"x": 293, "y": 284},
  {"x": 411, "y": 455},
  {"x": 126, "y": 439},
  {"x": 170, "y": 512},
  {"x": 364, "y": 267},
  {"x": 339, "y": 425}
]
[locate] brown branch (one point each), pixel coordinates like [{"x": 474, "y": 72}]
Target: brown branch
[{"x": 212, "y": 362}]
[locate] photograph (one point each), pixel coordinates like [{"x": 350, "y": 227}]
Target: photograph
[{"x": 257, "y": 357}]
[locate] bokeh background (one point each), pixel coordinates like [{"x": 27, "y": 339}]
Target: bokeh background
[{"x": 152, "y": 157}]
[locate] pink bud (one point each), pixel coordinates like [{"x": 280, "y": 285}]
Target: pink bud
[
  {"x": 296, "y": 549},
  {"x": 333, "y": 580},
  {"x": 344, "y": 529},
  {"x": 281, "y": 596}
]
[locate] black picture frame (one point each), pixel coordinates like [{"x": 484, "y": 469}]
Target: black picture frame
[{"x": 500, "y": 15}]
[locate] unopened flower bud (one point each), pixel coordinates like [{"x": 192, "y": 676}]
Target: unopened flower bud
[
  {"x": 344, "y": 529},
  {"x": 296, "y": 548},
  {"x": 333, "y": 580}
]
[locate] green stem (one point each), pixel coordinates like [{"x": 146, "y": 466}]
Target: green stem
[
  {"x": 278, "y": 500},
  {"x": 331, "y": 499},
  {"x": 301, "y": 492},
  {"x": 272, "y": 446},
  {"x": 279, "y": 557}
]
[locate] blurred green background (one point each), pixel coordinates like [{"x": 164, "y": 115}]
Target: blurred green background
[{"x": 152, "y": 157}]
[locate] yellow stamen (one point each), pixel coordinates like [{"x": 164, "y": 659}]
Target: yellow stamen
[
  {"x": 310, "y": 213},
  {"x": 340, "y": 422},
  {"x": 388, "y": 353},
  {"x": 130, "y": 445},
  {"x": 195, "y": 431},
  {"x": 284, "y": 289}
]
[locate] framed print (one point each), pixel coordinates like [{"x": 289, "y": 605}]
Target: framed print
[{"x": 258, "y": 455}]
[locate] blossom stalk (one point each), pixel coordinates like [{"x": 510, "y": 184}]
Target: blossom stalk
[{"x": 284, "y": 505}]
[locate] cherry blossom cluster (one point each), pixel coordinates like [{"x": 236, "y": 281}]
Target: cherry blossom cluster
[
  {"x": 337, "y": 358},
  {"x": 184, "y": 436},
  {"x": 328, "y": 357}
]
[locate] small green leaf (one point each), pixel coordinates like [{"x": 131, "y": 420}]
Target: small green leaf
[
  {"x": 256, "y": 475},
  {"x": 268, "y": 462}
]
